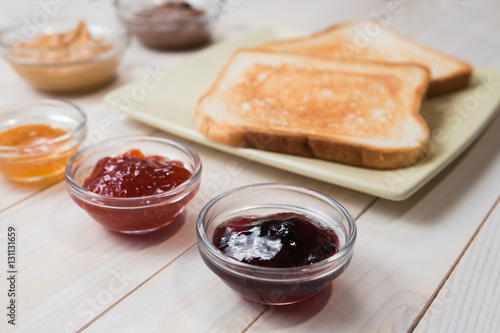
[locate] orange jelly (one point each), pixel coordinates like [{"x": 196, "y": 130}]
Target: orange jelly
[
  {"x": 34, "y": 152},
  {"x": 30, "y": 135}
]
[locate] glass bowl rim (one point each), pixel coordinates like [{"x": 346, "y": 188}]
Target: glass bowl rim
[
  {"x": 81, "y": 124},
  {"x": 120, "y": 39},
  {"x": 346, "y": 250},
  {"x": 174, "y": 192},
  {"x": 131, "y": 18}
]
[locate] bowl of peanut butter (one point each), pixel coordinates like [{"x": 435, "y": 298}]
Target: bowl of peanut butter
[{"x": 66, "y": 56}]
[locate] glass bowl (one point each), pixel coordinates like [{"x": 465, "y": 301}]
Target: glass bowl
[
  {"x": 73, "y": 68},
  {"x": 269, "y": 285},
  {"x": 133, "y": 215},
  {"x": 42, "y": 160},
  {"x": 169, "y": 31}
]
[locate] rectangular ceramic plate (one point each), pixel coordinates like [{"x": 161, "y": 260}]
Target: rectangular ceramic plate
[{"x": 168, "y": 101}]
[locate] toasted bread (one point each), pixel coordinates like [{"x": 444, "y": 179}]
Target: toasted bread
[
  {"x": 359, "y": 113},
  {"x": 369, "y": 40}
]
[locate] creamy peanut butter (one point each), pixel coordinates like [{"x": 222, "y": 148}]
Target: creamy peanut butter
[
  {"x": 76, "y": 44},
  {"x": 64, "y": 62}
]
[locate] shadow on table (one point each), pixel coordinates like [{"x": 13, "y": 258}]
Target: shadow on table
[
  {"x": 77, "y": 228},
  {"x": 298, "y": 313},
  {"x": 152, "y": 238}
]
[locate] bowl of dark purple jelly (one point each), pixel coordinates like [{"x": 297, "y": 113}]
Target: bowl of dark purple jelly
[{"x": 275, "y": 244}]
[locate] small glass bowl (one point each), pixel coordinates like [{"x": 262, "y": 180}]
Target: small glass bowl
[
  {"x": 267, "y": 285},
  {"x": 139, "y": 214},
  {"x": 41, "y": 161},
  {"x": 45, "y": 72},
  {"x": 168, "y": 32}
]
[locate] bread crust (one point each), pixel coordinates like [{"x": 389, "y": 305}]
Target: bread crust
[
  {"x": 337, "y": 150},
  {"x": 451, "y": 82}
]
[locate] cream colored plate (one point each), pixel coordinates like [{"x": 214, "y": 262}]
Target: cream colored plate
[{"x": 167, "y": 102}]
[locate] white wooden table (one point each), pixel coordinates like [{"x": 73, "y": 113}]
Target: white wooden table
[{"x": 429, "y": 264}]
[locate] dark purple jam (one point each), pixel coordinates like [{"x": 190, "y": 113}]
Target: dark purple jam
[{"x": 277, "y": 240}]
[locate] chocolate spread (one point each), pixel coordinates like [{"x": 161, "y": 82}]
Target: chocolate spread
[{"x": 172, "y": 25}]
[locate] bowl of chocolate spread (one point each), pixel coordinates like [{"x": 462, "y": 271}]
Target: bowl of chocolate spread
[{"x": 170, "y": 25}]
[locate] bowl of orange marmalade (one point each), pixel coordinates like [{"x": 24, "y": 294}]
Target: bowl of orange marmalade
[
  {"x": 134, "y": 184},
  {"x": 38, "y": 138}
]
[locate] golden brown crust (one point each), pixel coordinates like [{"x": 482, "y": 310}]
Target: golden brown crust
[
  {"x": 334, "y": 151},
  {"x": 450, "y": 83},
  {"x": 340, "y": 152},
  {"x": 453, "y": 81}
]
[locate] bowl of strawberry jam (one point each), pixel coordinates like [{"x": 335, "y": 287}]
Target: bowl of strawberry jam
[
  {"x": 134, "y": 184},
  {"x": 275, "y": 244},
  {"x": 37, "y": 139}
]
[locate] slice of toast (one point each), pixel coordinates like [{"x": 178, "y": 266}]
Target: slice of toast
[
  {"x": 369, "y": 40},
  {"x": 359, "y": 113}
]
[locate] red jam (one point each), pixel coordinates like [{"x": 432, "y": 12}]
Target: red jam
[
  {"x": 278, "y": 240},
  {"x": 135, "y": 175}
]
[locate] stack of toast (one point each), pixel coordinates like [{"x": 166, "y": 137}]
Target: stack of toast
[{"x": 350, "y": 94}]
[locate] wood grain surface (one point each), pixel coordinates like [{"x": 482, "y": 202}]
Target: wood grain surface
[{"x": 426, "y": 264}]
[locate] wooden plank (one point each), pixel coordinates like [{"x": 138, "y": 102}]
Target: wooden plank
[
  {"x": 382, "y": 293},
  {"x": 12, "y": 193},
  {"x": 403, "y": 251},
  {"x": 469, "y": 301},
  {"x": 200, "y": 303},
  {"x": 187, "y": 297},
  {"x": 393, "y": 274},
  {"x": 71, "y": 269}
]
